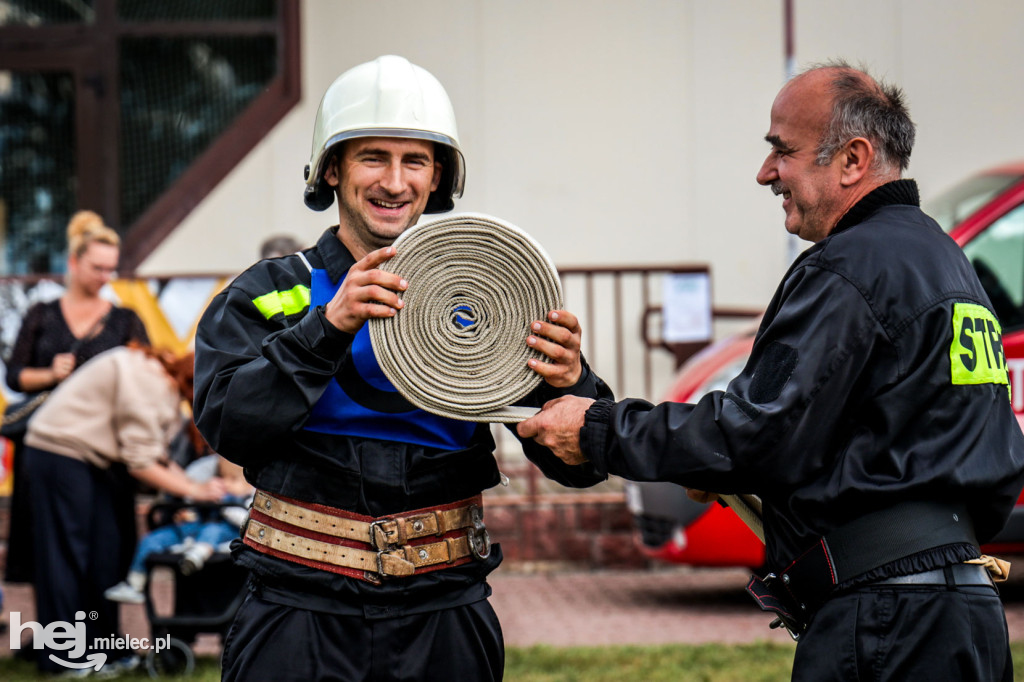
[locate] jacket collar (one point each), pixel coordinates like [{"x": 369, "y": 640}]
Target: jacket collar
[
  {"x": 336, "y": 258},
  {"x": 891, "y": 193}
]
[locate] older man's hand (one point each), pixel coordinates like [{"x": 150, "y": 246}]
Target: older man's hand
[{"x": 557, "y": 427}]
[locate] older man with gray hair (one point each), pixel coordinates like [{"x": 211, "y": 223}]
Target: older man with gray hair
[{"x": 873, "y": 417}]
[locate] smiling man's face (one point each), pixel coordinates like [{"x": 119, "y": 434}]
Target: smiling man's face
[
  {"x": 811, "y": 192},
  {"x": 384, "y": 183}
]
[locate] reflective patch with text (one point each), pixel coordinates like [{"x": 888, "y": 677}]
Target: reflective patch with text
[{"x": 976, "y": 354}]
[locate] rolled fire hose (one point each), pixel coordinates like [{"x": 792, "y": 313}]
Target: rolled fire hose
[{"x": 457, "y": 348}]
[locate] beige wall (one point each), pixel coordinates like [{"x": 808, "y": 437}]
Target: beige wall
[{"x": 630, "y": 131}]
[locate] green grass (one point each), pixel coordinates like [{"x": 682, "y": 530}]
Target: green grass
[{"x": 680, "y": 663}]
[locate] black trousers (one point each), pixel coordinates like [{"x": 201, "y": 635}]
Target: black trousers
[
  {"x": 77, "y": 542},
  {"x": 20, "y": 565},
  {"x": 902, "y": 633},
  {"x": 275, "y": 643}
]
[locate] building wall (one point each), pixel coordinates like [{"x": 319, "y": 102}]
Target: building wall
[{"x": 630, "y": 132}]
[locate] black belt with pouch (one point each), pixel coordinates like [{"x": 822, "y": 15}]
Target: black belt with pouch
[{"x": 853, "y": 549}]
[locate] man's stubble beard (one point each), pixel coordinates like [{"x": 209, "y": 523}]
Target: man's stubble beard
[{"x": 365, "y": 232}]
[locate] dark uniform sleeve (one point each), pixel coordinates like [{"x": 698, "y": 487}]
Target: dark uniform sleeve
[
  {"x": 776, "y": 423},
  {"x": 589, "y": 386},
  {"x": 257, "y": 378}
]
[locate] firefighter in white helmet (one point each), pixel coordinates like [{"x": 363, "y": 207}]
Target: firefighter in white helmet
[{"x": 366, "y": 542}]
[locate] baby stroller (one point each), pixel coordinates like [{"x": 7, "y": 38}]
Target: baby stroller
[{"x": 203, "y": 601}]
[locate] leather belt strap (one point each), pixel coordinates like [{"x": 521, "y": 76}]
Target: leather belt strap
[
  {"x": 402, "y": 561},
  {"x": 365, "y": 547},
  {"x": 397, "y": 529}
]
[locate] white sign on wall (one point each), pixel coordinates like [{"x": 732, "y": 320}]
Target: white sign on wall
[{"x": 686, "y": 307}]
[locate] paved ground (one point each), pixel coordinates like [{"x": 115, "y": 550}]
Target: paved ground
[
  {"x": 628, "y": 607},
  {"x": 570, "y": 608}
]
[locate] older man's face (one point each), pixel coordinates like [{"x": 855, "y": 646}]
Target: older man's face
[{"x": 810, "y": 193}]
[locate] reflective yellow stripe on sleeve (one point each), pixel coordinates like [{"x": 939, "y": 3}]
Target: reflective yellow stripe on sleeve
[
  {"x": 976, "y": 355},
  {"x": 295, "y": 300}
]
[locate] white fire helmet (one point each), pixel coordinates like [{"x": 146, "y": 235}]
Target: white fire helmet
[{"x": 388, "y": 97}]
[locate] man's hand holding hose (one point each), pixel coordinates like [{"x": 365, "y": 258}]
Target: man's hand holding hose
[
  {"x": 560, "y": 340},
  {"x": 366, "y": 292},
  {"x": 557, "y": 427}
]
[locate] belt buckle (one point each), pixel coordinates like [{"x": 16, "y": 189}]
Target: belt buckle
[
  {"x": 377, "y": 528},
  {"x": 380, "y": 563},
  {"x": 405, "y": 566},
  {"x": 477, "y": 535}
]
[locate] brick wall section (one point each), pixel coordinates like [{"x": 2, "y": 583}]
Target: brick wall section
[{"x": 586, "y": 530}]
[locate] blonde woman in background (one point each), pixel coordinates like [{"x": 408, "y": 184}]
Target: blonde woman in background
[{"x": 55, "y": 338}]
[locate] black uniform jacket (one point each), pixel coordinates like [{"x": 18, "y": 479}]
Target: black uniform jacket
[
  {"x": 877, "y": 375},
  {"x": 263, "y": 359}
]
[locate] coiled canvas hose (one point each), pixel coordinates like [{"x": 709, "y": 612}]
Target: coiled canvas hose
[{"x": 458, "y": 346}]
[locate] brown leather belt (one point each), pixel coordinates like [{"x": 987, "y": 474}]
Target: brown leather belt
[{"x": 365, "y": 547}]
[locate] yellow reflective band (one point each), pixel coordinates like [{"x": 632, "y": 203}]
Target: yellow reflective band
[
  {"x": 976, "y": 355},
  {"x": 295, "y": 300}
]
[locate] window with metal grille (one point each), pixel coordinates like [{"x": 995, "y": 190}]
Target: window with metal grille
[{"x": 132, "y": 108}]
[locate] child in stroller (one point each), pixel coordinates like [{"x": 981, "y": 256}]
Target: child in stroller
[
  {"x": 197, "y": 531},
  {"x": 190, "y": 540}
]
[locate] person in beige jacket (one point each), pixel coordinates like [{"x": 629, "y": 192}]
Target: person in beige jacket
[{"x": 120, "y": 409}]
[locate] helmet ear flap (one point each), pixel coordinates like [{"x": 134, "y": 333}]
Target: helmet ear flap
[
  {"x": 318, "y": 196},
  {"x": 440, "y": 200}
]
